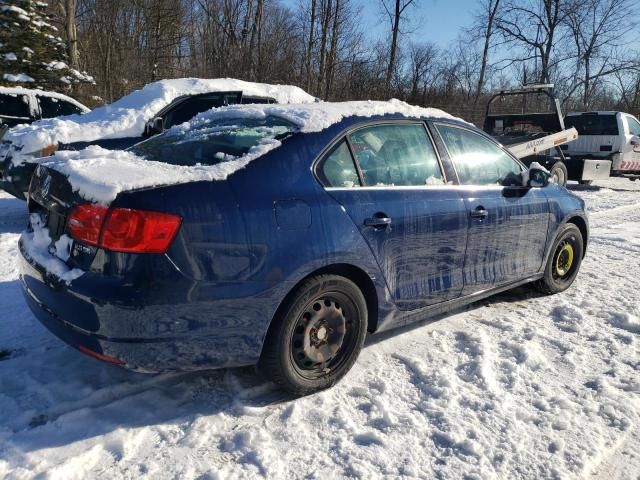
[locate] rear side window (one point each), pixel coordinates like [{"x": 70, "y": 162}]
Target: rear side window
[
  {"x": 14, "y": 105},
  {"x": 396, "y": 155},
  {"x": 337, "y": 168},
  {"x": 478, "y": 160},
  {"x": 54, "y": 107},
  {"x": 634, "y": 126},
  {"x": 590, "y": 124}
]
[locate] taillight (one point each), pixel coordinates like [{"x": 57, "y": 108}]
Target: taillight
[
  {"x": 85, "y": 223},
  {"x": 139, "y": 231},
  {"x": 123, "y": 229}
]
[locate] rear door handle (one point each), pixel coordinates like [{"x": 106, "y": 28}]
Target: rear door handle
[
  {"x": 377, "y": 222},
  {"x": 479, "y": 212}
]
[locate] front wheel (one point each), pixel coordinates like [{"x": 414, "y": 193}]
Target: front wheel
[
  {"x": 558, "y": 173},
  {"x": 563, "y": 262},
  {"x": 317, "y": 335}
]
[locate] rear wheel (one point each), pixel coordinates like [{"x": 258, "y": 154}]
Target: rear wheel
[
  {"x": 564, "y": 262},
  {"x": 558, "y": 173},
  {"x": 585, "y": 182},
  {"x": 317, "y": 336}
]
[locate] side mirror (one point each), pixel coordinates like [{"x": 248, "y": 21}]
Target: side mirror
[
  {"x": 154, "y": 127},
  {"x": 536, "y": 176}
]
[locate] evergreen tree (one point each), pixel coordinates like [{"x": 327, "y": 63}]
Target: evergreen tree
[{"x": 31, "y": 50}]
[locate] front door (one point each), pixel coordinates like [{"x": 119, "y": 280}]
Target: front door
[
  {"x": 507, "y": 222},
  {"x": 415, "y": 225}
]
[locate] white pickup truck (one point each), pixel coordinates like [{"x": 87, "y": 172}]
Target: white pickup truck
[{"x": 611, "y": 136}]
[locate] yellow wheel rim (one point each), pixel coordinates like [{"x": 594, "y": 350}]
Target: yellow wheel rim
[{"x": 564, "y": 260}]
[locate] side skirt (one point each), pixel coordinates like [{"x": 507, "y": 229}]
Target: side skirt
[{"x": 405, "y": 318}]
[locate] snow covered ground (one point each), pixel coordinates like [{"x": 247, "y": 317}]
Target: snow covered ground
[{"x": 516, "y": 386}]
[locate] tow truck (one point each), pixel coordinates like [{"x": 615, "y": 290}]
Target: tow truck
[{"x": 536, "y": 132}]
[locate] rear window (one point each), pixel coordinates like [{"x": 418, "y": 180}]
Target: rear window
[
  {"x": 14, "y": 105},
  {"x": 214, "y": 142},
  {"x": 593, "y": 124}
]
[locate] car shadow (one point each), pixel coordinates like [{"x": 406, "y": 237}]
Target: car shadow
[
  {"x": 518, "y": 294},
  {"x": 595, "y": 188},
  {"x": 54, "y": 396},
  {"x": 13, "y": 215}
]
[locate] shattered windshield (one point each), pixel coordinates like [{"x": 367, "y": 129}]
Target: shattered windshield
[{"x": 218, "y": 141}]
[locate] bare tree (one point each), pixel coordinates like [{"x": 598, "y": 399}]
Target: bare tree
[
  {"x": 485, "y": 23},
  {"x": 598, "y": 29},
  {"x": 536, "y": 26},
  {"x": 395, "y": 10}
]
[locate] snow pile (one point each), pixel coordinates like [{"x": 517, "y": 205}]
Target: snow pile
[
  {"x": 517, "y": 386},
  {"x": 99, "y": 175},
  {"x": 127, "y": 117},
  {"x": 37, "y": 245},
  {"x": 19, "y": 77}
]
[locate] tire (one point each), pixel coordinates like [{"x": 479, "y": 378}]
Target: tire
[
  {"x": 317, "y": 335},
  {"x": 585, "y": 182},
  {"x": 559, "y": 174},
  {"x": 564, "y": 261}
]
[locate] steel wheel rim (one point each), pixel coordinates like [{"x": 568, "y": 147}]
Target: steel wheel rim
[{"x": 322, "y": 335}]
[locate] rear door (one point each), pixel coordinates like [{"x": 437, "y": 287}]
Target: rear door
[
  {"x": 397, "y": 196},
  {"x": 507, "y": 222}
]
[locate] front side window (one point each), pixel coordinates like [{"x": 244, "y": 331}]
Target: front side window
[
  {"x": 478, "y": 160},
  {"x": 396, "y": 155},
  {"x": 51, "y": 107},
  {"x": 14, "y": 105},
  {"x": 216, "y": 141},
  {"x": 337, "y": 168}
]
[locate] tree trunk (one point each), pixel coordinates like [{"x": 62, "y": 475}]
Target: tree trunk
[
  {"x": 485, "y": 50},
  {"x": 72, "y": 36},
  {"x": 310, "y": 44},
  {"x": 394, "y": 47}
]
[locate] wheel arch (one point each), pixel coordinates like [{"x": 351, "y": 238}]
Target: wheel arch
[
  {"x": 358, "y": 276},
  {"x": 580, "y": 222}
]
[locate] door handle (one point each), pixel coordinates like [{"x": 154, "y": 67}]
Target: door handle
[
  {"x": 377, "y": 222},
  {"x": 479, "y": 212}
]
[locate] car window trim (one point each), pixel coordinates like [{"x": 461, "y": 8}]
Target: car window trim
[
  {"x": 453, "y": 163},
  {"x": 349, "y": 130}
]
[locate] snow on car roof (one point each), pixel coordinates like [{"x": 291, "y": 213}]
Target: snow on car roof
[
  {"x": 98, "y": 175},
  {"x": 127, "y": 117},
  {"x": 35, "y": 91},
  {"x": 315, "y": 117}
]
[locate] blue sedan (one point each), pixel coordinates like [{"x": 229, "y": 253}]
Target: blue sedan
[{"x": 304, "y": 238}]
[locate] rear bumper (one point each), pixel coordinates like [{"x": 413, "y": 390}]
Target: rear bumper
[{"x": 103, "y": 317}]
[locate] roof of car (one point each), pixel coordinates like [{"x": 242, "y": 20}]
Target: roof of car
[
  {"x": 127, "y": 117},
  {"x": 315, "y": 117},
  {"x": 35, "y": 91}
]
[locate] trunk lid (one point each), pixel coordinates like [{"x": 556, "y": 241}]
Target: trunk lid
[{"x": 51, "y": 200}]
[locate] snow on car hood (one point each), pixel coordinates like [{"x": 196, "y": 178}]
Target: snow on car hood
[
  {"x": 127, "y": 117},
  {"x": 98, "y": 174}
]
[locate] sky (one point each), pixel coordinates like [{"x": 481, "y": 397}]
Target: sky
[{"x": 437, "y": 21}]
